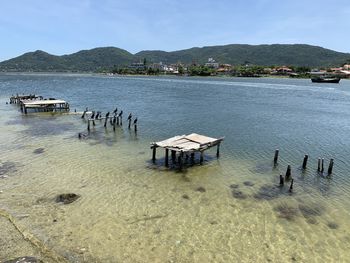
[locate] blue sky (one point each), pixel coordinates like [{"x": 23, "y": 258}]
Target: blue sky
[{"x": 67, "y": 26}]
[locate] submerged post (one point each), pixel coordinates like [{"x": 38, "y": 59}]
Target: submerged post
[
  {"x": 319, "y": 165},
  {"x": 218, "y": 150},
  {"x": 154, "y": 148},
  {"x": 135, "y": 124},
  {"x": 192, "y": 158},
  {"x": 306, "y": 157},
  {"x": 173, "y": 156},
  {"x": 275, "y": 159},
  {"x": 201, "y": 159},
  {"x": 330, "y": 167},
  {"x": 129, "y": 120},
  {"x": 281, "y": 180},
  {"x": 291, "y": 186},
  {"x": 88, "y": 126},
  {"x": 106, "y": 119},
  {"x": 166, "y": 157},
  {"x": 288, "y": 173},
  {"x": 322, "y": 165}
]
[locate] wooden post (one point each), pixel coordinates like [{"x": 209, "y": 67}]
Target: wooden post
[
  {"x": 181, "y": 161},
  {"x": 322, "y": 165},
  {"x": 201, "y": 159},
  {"x": 291, "y": 186},
  {"x": 288, "y": 173},
  {"x": 88, "y": 128},
  {"x": 118, "y": 120},
  {"x": 281, "y": 180},
  {"x": 275, "y": 159},
  {"x": 330, "y": 167},
  {"x": 306, "y": 157},
  {"x": 166, "y": 157},
  {"x": 154, "y": 148},
  {"x": 218, "y": 150},
  {"x": 114, "y": 121},
  {"x": 173, "y": 156},
  {"x": 83, "y": 116},
  {"x": 129, "y": 119},
  {"x": 106, "y": 119},
  {"x": 135, "y": 124},
  {"x": 192, "y": 158},
  {"x": 319, "y": 165},
  {"x": 25, "y": 109}
]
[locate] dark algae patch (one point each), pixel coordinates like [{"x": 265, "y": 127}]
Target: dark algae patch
[
  {"x": 332, "y": 225},
  {"x": 248, "y": 183},
  {"x": 269, "y": 192},
  {"x": 24, "y": 260},
  {"x": 201, "y": 189},
  {"x": 239, "y": 194},
  {"x": 67, "y": 198},
  {"x": 286, "y": 211},
  {"x": 39, "y": 151},
  {"x": 7, "y": 168}
]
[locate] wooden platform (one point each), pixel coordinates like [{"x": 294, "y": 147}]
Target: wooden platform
[
  {"x": 44, "y": 105},
  {"x": 185, "y": 145}
]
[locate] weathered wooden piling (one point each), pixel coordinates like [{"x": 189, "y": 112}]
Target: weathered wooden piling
[
  {"x": 275, "y": 159},
  {"x": 129, "y": 120},
  {"x": 92, "y": 115},
  {"x": 135, "y": 124},
  {"x": 322, "y": 165},
  {"x": 181, "y": 160},
  {"x": 166, "y": 157},
  {"x": 173, "y": 156},
  {"x": 85, "y": 111},
  {"x": 106, "y": 119},
  {"x": 306, "y": 157},
  {"x": 192, "y": 158},
  {"x": 121, "y": 117},
  {"x": 319, "y": 165},
  {"x": 114, "y": 122},
  {"x": 88, "y": 126},
  {"x": 291, "y": 185},
  {"x": 218, "y": 150},
  {"x": 201, "y": 158},
  {"x": 281, "y": 180},
  {"x": 330, "y": 167},
  {"x": 154, "y": 151},
  {"x": 288, "y": 173}
]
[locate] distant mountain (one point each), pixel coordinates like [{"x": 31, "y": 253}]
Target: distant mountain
[
  {"x": 236, "y": 54},
  {"x": 263, "y": 55},
  {"x": 85, "y": 60}
]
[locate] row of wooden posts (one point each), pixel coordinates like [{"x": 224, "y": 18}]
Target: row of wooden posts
[
  {"x": 115, "y": 119},
  {"x": 320, "y": 163}
]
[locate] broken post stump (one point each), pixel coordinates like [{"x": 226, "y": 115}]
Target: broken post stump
[
  {"x": 106, "y": 119},
  {"x": 306, "y": 157},
  {"x": 291, "y": 185},
  {"x": 166, "y": 157},
  {"x": 275, "y": 159},
  {"x": 288, "y": 173},
  {"x": 281, "y": 180},
  {"x": 319, "y": 165},
  {"x": 330, "y": 167},
  {"x": 322, "y": 165},
  {"x": 154, "y": 148}
]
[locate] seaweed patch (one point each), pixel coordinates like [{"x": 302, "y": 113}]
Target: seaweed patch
[
  {"x": 6, "y": 168},
  {"x": 287, "y": 211}
]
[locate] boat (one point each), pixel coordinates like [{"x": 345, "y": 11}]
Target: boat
[{"x": 322, "y": 79}]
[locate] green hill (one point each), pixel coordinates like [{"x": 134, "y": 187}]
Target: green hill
[
  {"x": 294, "y": 55},
  {"x": 85, "y": 60},
  {"x": 236, "y": 54}
]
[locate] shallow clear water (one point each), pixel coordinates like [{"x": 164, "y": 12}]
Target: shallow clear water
[{"x": 132, "y": 211}]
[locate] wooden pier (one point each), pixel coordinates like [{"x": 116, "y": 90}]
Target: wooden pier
[
  {"x": 38, "y": 103},
  {"x": 186, "y": 146}
]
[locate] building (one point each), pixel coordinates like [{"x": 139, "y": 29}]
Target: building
[{"x": 212, "y": 63}]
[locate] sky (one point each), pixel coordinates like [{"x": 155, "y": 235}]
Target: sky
[{"x": 66, "y": 26}]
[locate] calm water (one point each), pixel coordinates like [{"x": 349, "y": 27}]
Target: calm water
[{"x": 132, "y": 211}]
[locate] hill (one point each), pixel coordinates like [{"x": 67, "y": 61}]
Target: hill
[
  {"x": 236, "y": 54},
  {"x": 85, "y": 60},
  {"x": 277, "y": 54}
]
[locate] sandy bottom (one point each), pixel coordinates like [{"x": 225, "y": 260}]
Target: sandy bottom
[{"x": 227, "y": 210}]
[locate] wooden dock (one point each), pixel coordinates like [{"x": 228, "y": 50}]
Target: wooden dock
[
  {"x": 185, "y": 146},
  {"x": 44, "y": 105}
]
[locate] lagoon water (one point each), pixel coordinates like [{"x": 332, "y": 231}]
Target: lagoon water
[{"x": 133, "y": 211}]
